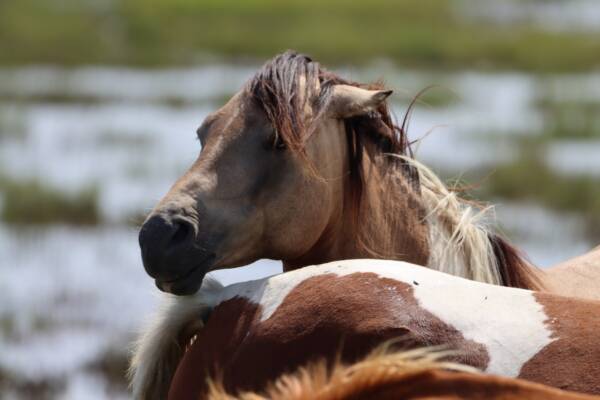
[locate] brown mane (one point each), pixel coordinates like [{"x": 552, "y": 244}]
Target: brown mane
[
  {"x": 290, "y": 82},
  {"x": 513, "y": 268}
]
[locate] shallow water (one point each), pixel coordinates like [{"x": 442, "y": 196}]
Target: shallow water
[{"x": 70, "y": 296}]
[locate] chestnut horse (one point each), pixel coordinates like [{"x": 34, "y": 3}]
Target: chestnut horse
[
  {"x": 255, "y": 331},
  {"x": 408, "y": 375},
  {"x": 306, "y": 167}
]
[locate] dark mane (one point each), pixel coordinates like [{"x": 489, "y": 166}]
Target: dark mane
[{"x": 514, "y": 270}]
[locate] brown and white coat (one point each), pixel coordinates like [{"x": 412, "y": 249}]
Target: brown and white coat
[{"x": 260, "y": 329}]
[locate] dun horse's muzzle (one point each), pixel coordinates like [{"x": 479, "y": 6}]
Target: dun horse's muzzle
[{"x": 170, "y": 255}]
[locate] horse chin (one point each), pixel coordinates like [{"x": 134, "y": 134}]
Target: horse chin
[{"x": 186, "y": 285}]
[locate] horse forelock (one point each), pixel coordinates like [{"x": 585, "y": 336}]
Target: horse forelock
[{"x": 286, "y": 84}]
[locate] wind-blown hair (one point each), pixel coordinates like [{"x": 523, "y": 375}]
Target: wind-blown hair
[{"x": 290, "y": 83}]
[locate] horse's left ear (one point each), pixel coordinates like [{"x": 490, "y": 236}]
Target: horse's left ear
[{"x": 350, "y": 101}]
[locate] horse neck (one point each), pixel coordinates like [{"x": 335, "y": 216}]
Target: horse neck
[
  {"x": 391, "y": 221},
  {"x": 384, "y": 220},
  {"x": 428, "y": 226}
]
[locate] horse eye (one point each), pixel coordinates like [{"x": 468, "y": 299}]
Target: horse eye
[
  {"x": 280, "y": 145},
  {"x": 278, "y": 142}
]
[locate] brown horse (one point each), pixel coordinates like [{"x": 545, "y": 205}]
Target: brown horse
[
  {"x": 261, "y": 329},
  {"x": 409, "y": 375},
  {"x": 306, "y": 167}
]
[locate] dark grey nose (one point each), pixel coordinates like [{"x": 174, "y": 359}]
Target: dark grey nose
[{"x": 163, "y": 241}]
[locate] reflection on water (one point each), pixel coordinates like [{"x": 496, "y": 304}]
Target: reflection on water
[{"x": 72, "y": 298}]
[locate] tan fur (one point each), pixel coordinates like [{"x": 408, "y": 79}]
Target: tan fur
[
  {"x": 577, "y": 277},
  {"x": 246, "y": 200},
  {"x": 365, "y": 198},
  {"x": 349, "y": 101}
]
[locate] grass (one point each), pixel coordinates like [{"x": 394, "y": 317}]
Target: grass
[
  {"x": 7, "y": 326},
  {"x": 118, "y": 139},
  {"x": 415, "y": 33},
  {"x": 112, "y": 365},
  {"x": 10, "y": 120},
  {"x": 31, "y": 202},
  {"x": 12, "y": 123},
  {"x": 570, "y": 119},
  {"x": 529, "y": 178}
]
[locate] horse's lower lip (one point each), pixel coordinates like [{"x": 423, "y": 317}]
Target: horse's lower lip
[{"x": 188, "y": 283}]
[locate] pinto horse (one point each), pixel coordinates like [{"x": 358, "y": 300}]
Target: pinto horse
[
  {"x": 306, "y": 167},
  {"x": 409, "y": 375},
  {"x": 255, "y": 331}
]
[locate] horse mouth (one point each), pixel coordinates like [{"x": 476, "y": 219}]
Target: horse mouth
[{"x": 189, "y": 283}]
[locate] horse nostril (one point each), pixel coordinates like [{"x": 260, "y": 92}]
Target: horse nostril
[{"x": 182, "y": 232}]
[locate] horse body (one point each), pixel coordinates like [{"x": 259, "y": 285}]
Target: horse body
[
  {"x": 577, "y": 277},
  {"x": 260, "y": 329}
]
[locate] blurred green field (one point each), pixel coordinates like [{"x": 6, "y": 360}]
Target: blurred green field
[
  {"x": 31, "y": 202},
  {"x": 413, "y": 33},
  {"x": 530, "y": 178}
]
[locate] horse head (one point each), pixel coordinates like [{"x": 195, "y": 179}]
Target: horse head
[{"x": 270, "y": 180}]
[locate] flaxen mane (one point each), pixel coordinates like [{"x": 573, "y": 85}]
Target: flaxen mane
[{"x": 460, "y": 242}]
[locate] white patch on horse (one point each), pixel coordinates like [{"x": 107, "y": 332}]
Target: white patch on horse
[{"x": 508, "y": 321}]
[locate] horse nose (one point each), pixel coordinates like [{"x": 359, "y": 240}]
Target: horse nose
[{"x": 160, "y": 238}]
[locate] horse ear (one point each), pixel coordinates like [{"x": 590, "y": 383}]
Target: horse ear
[{"x": 350, "y": 101}]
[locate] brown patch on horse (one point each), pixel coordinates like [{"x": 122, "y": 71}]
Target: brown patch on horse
[
  {"x": 572, "y": 360},
  {"x": 363, "y": 311}
]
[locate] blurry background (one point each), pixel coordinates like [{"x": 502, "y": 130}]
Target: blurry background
[{"x": 100, "y": 99}]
